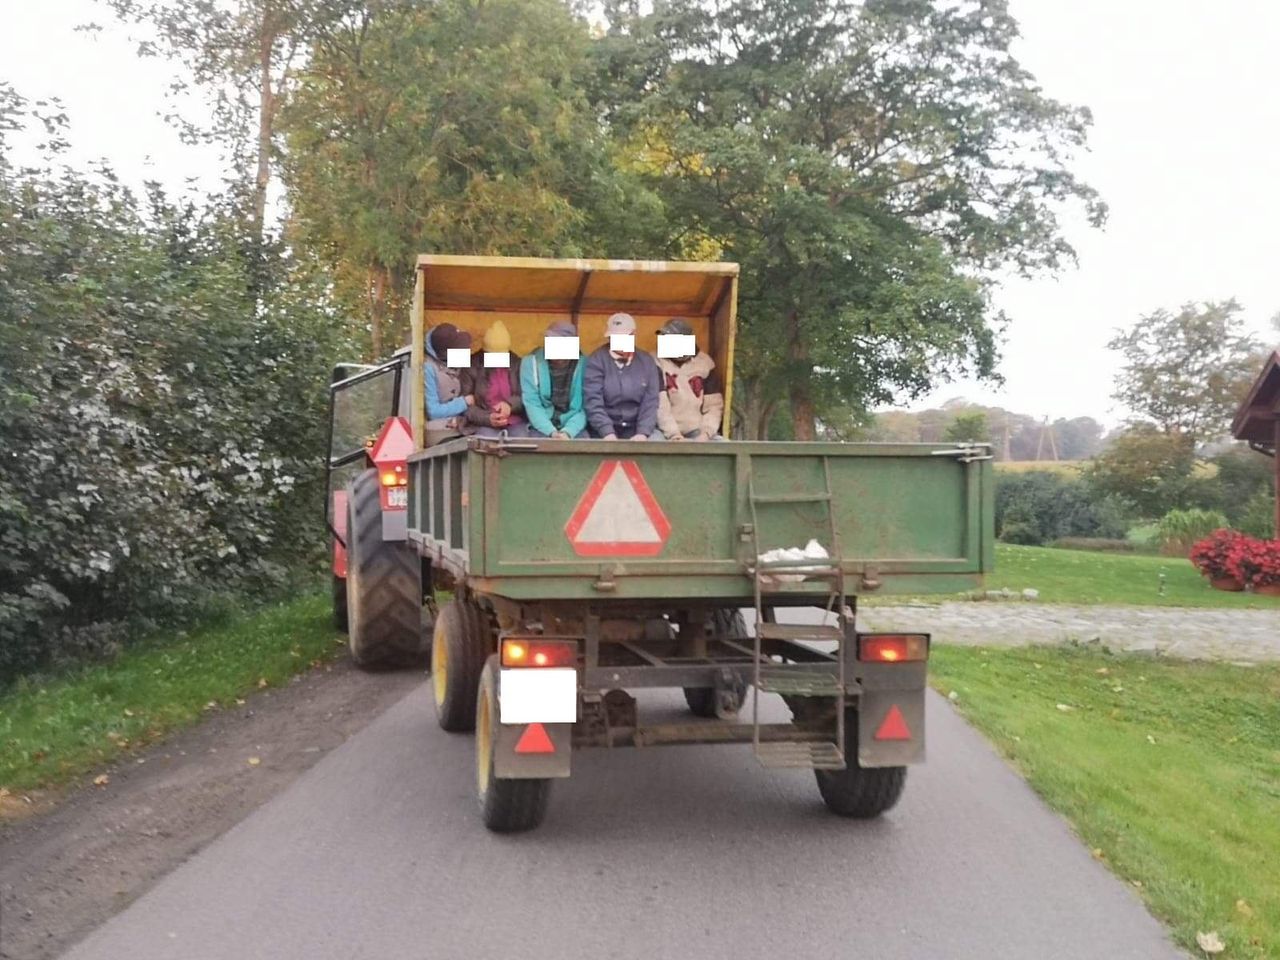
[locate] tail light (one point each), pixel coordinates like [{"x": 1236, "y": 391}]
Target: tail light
[
  {"x": 893, "y": 647},
  {"x": 531, "y": 652},
  {"x": 394, "y": 475}
]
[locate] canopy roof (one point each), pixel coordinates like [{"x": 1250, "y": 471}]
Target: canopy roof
[
  {"x": 573, "y": 287},
  {"x": 1257, "y": 417}
]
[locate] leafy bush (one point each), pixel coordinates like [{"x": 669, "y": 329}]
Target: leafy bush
[
  {"x": 1179, "y": 529},
  {"x": 1037, "y": 507},
  {"x": 1258, "y": 519},
  {"x": 1218, "y": 554},
  {"x": 161, "y": 411}
]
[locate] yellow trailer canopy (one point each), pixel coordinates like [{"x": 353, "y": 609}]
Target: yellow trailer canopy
[{"x": 527, "y": 294}]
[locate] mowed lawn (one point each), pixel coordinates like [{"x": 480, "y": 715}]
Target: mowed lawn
[
  {"x": 1085, "y": 577},
  {"x": 1169, "y": 771},
  {"x": 55, "y": 729}
]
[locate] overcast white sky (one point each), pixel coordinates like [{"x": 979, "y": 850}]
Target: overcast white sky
[{"x": 1184, "y": 148}]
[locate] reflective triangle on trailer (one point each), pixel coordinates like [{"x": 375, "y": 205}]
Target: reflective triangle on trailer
[{"x": 618, "y": 515}]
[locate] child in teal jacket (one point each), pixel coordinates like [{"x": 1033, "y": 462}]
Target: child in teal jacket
[{"x": 552, "y": 391}]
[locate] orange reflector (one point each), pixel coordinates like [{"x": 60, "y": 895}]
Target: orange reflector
[
  {"x": 893, "y": 726},
  {"x": 892, "y": 647},
  {"x": 535, "y": 740},
  {"x": 514, "y": 653}
]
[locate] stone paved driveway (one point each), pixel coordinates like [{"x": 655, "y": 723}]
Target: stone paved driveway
[{"x": 1234, "y": 635}]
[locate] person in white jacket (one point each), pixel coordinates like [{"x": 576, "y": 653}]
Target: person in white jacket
[{"x": 691, "y": 398}]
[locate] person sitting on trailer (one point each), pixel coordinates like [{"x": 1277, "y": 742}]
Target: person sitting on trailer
[
  {"x": 447, "y": 402},
  {"x": 691, "y": 402},
  {"x": 494, "y": 381},
  {"x": 552, "y": 390},
  {"x": 620, "y": 385}
]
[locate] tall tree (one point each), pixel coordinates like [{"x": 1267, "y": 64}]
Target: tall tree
[
  {"x": 454, "y": 126},
  {"x": 1187, "y": 371},
  {"x": 866, "y": 162},
  {"x": 242, "y": 54}
]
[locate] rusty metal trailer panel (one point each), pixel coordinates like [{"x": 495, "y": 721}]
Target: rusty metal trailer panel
[{"x": 518, "y": 520}]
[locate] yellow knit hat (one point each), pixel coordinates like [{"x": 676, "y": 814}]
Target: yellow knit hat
[{"x": 497, "y": 339}]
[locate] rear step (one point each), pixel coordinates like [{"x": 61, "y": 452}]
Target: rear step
[
  {"x": 800, "y": 756},
  {"x": 795, "y": 682},
  {"x": 792, "y": 631}
]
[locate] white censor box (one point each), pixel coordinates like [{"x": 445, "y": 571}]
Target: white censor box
[
  {"x": 560, "y": 348},
  {"x": 457, "y": 357},
  {"x": 622, "y": 342},
  {"x": 497, "y": 358},
  {"x": 673, "y": 346}
]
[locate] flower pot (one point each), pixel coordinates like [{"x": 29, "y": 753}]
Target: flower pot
[
  {"x": 1230, "y": 584},
  {"x": 1268, "y": 589}
]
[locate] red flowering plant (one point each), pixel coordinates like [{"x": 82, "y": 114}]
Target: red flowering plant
[
  {"x": 1256, "y": 562},
  {"x": 1220, "y": 554}
]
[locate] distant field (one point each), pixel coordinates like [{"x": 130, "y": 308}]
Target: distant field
[{"x": 1046, "y": 466}]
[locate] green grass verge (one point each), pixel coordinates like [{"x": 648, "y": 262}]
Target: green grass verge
[
  {"x": 1078, "y": 576},
  {"x": 1169, "y": 771},
  {"x": 56, "y": 729}
]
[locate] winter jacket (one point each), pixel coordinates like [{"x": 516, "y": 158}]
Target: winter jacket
[
  {"x": 692, "y": 398},
  {"x": 622, "y": 401},
  {"x": 476, "y": 382},
  {"x": 535, "y": 387},
  {"x": 443, "y": 391}
]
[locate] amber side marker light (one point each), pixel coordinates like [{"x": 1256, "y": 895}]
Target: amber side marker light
[
  {"x": 893, "y": 647},
  {"x": 394, "y": 476},
  {"x": 539, "y": 653}
]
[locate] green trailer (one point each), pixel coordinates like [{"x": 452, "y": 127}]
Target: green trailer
[{"x": 581, "y": 571}]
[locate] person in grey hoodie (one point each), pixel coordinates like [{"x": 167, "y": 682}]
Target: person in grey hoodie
[{"x": 620, "y": 388}]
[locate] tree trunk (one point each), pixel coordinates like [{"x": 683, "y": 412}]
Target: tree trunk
[
  {"x": 266, "y": 121},
  {"x": 803, "y": 414},
  {"x": 377, "y": 308}
]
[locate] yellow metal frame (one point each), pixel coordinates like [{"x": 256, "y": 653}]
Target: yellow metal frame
[{"x": 528, "y": 293}]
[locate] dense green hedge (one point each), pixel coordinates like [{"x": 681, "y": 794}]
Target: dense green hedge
[
  {"x": 1038, "y": 507},
  {"x": 161, "y": 411}
]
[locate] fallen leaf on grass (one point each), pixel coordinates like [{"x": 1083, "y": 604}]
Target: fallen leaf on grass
[
  {"x": 1117, "y": 689},
  {"x": 128, "y": 712},
  {"x": 239, "y": 702},
  {"x": 101, "y": 780},
  {"x": 1065, "y": 707},
  {"x": 953, "y": 696},
  {"x": 1102, "y": 671},
  {"x": 1150, "y": 738},
  {"x": 1243, "y": 908},
  {"x": 1098, "y": 854},
  {"x": 254, "y": 761},
  {"x": 262, "y": 682},
  {"x": 1210, "y": 942}
]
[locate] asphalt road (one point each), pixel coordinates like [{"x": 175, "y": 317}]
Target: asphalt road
[{"x": 378, "y": 852}]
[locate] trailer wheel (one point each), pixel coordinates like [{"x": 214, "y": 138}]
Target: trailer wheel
[
  {"x": 860, "y": 792},
  {"x": 340, "y": 603},
  {"x": 383, "y": 585},
  {"x": 702, "y": 701},
  {"x": 507, "y": 806},
  {"x": 460, "y": 644}
]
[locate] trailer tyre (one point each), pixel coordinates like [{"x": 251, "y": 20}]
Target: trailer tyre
[
  {"x": 384, "y": 584},
  {"x": 860, "y": 792},
  {"x": 460, "y": 644},
  {"x": 507, "y": 806},
  {"x": 703, "y": 701}
]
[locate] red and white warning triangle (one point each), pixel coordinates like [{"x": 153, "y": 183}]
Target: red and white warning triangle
[{"x": 618, "y": 515}]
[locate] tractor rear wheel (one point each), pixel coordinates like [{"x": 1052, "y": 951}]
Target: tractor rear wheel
[
  {"x": 460, "y": 644},
  {"x": 507, "y": 806},
  {"x": 384, "y": 584}
]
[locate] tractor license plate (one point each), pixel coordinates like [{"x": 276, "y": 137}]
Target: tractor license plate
[{"x": 398, "y": 497}]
